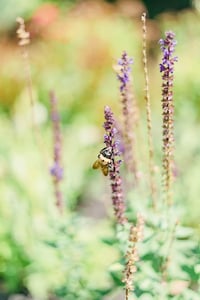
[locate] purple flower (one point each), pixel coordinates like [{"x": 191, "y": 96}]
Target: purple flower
[
  {"x": 129, "y": 110},
  {"x": 124, "y": 75},
  {"x": 168, "y": 47},
  {"x": 110, "y": 140},
  {"x": 167, "y": 70},
  {"x": 56, "y": 170}
]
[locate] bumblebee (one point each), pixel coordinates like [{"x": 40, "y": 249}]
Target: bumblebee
[{"x": 104, "y": 160}]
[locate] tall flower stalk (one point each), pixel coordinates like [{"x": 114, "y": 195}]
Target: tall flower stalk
[
  {"x": 129, "y": 111},
  {"x": 167, "y": 71},
  {"x": 23, "y": 42},
  {"x": 110, "y": 140},
  {"x": 135, "y": 236},
  {"x": 56, "y": 169},
  {"x": 148, "y": 114}
]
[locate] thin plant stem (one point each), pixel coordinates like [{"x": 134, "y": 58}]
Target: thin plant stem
[
  {"x": 24, "y": 41},
  {"x": 166, "y": 262},
  {"x": 148, "y": 115},
  {"x": 132, "y": 256},
  {"x": 126, "y": 294}
]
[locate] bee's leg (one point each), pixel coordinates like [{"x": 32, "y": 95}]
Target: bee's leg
[{"x": 111, "y": 166}]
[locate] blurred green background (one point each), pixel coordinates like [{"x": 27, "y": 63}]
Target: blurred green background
[{"x": 74, "y": 45}]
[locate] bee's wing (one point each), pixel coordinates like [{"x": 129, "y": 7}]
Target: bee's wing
[
  {"x": 104, "y": 170},
  {"x": 96, "y": 164}
]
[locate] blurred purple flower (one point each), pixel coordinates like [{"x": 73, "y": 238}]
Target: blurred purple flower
[
  {"x": 130, "y": 112},
  {"x": 56, "y": 170},
  {"x": 124, "y": 75}
]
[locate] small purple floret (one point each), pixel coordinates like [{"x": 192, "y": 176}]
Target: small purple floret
[{"x": 57, "y": 172}]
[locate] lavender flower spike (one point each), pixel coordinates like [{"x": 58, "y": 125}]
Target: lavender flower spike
[
  {"x": 167, "y": 70},
  {"x": 56, "y": 170},
  {"x": 168, "y": 46},
  {"x": 110, "y": 140},
  {"x": 129, "y": 111},
  {"x": 124, "y": 75}
]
